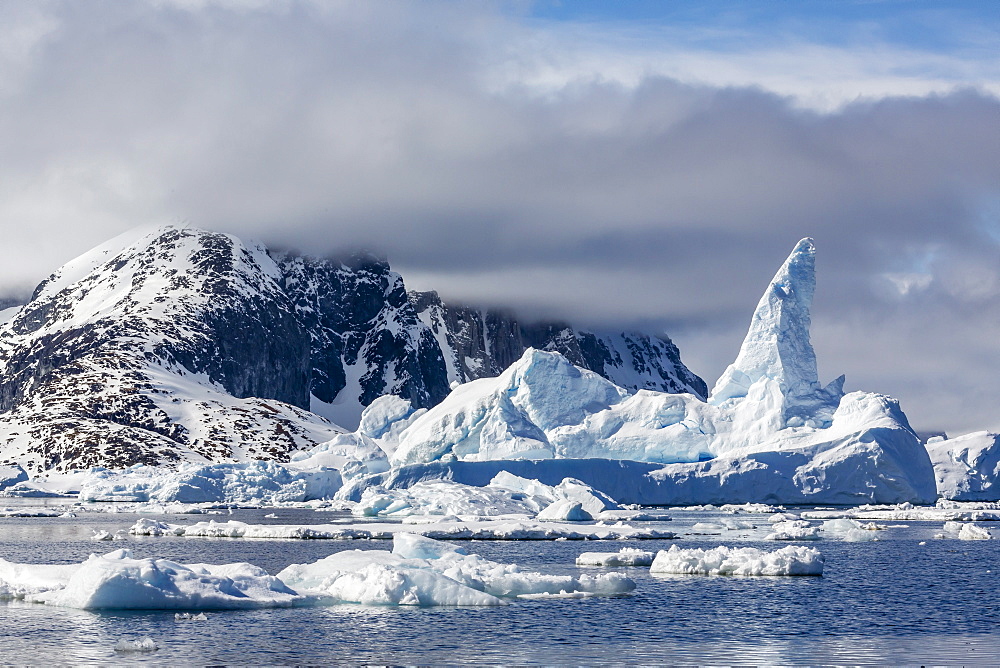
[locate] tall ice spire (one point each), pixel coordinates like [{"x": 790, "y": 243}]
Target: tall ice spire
[{"x": 777, "y": 345}]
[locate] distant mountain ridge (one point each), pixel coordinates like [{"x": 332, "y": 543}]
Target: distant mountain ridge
[{"x": 177, "y": 344}]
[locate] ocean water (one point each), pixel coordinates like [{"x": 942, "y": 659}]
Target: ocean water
[{"x": 887, "y": 602}]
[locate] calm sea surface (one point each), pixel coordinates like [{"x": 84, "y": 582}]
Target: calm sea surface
[{"x": 887, "y": 602}]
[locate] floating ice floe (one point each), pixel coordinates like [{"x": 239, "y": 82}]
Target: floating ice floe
[
  {"x": 850, "y": 530},
  {"x": 965, "y": 531},
  {"x": 793, "y": 530},
  {"x": 143, "y": 644},
  {"x": 944, "y": 511},
  {"x": 117, "y": 581},
  {"x": 627, "y": 556},
  {"x": 446, "y": 529},
  {"x": 420, "y": 571},
  {"x": 791, "y": 560},
  {"x": 188, "y": 617}
]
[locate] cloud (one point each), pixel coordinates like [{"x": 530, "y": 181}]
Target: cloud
[{"x": 602, "y": 174}]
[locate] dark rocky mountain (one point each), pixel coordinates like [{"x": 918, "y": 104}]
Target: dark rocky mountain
[
  {"x": 479, "y": 343},
  {"x": 366, "y": 338}
]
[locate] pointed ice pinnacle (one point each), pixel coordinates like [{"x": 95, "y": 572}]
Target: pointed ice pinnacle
[{"x": 777, "y": 345}]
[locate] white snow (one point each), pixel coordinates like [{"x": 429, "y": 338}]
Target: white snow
[{"x": 791, "y": 560}]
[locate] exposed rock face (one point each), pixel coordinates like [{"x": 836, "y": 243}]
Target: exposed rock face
[
  {"x": 366, "y": 339},
  {"x": 483, "y": 343},
  {"x": 143, "y": 350}
]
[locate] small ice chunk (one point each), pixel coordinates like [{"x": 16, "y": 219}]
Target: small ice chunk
[
  {"x": 627, "y": 556},
  {"x": 143, "y": 644},
  {"x": 188, "y": 617},
  {"x": 102, "y": 535},
  {"x": 972, "y": 532},
  {"x": 791, "y": 560}
]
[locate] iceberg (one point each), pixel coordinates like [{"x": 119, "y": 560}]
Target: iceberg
[
  {"x": 769, "y": 432},
  {"x": 418, "y": 571},
  {"x": 421, "y": 571},
  {"x": 791, "y": 560},
  {"x": 967, "y": 468}
]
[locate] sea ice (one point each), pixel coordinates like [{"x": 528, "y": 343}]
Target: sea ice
[
  {"x": 791, "y": 560},
  {"x": 143, "y": 644}
]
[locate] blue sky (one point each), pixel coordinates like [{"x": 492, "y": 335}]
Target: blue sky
[{"x": 615, "y": 164}]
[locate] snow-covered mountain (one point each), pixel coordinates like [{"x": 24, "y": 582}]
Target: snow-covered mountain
[
  {"x": 158, "y": 346},
  {"x": 769, "y": 432},
  {"x": 481, "y": 343}
]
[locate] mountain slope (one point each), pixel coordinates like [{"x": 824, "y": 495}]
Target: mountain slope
[{"x": 157, "y": 346}]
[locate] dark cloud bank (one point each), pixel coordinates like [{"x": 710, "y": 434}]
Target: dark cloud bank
[{"x": 397, "y": 128}]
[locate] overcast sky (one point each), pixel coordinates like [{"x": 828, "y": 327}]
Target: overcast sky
[{"x": 615, "y": 164}]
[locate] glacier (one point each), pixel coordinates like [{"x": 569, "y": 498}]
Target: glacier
[{"x": 769, "y": 432}]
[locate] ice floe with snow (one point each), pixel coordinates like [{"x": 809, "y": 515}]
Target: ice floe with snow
[
  {"x": 722, "y": 560},
  {"x": 117, "y": 581},
  {"x": 420, "y": 571}
]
